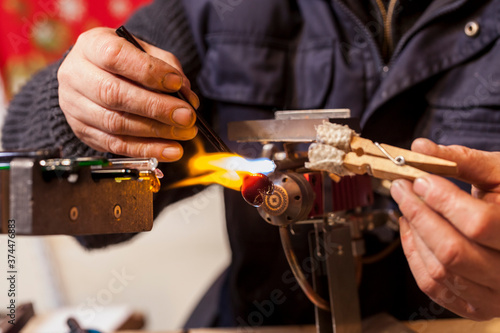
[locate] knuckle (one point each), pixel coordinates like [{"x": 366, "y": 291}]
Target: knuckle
[
  {"x": 409, "y": 210},
  {"x": 62, "y": 73},
  {"x": 478, "y": 228},
  {"x": 437, "y": 272},
  {"x": 428, "y": 286},
  {"x": 90, "y": 34},
  {"x": 81, "y": 132},
  {"x": 409, "y": 251},
  {"x": 412, "y": 213},
  {"x": 84, "y": 36},
  {"x": 138, "y": 150},
  {"x": 450, "y": 253},
  {"x": 84, "y": 134},
  {"x": 457, "y": 149},
  {"x": 65, "y": 108},
  {"x": 113, "y": 122},
  {"x": 111, "y": 52},
  {"x": 64, "y": 101},
  {"x": 143, "y": 150},
  {"x": 108, "y": 90},
  {"x": 477, "y": 313},
  {"x": 154, "y": 108},
  {"x": 115, "y": 145}
]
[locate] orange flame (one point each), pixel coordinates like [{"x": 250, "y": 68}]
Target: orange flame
[{"x": 225, "y": 169}]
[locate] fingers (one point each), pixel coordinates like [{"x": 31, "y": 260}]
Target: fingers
[
  {"x": 474, "y": 218},
  {"x": 474, "y": 166},
  {"x": 462, "y": 296},
  {"x": 450, "y": 235},
  {"x": 159, "y": 71},
  {"x": 460, "y": 286},
  {"x": 111, "y": 92},
  {"x": 455, "y": 253},
  {"x": 122, "y": 123},
  {"x": 163, "y": 150},
  {"x": 116, "y": 55}
]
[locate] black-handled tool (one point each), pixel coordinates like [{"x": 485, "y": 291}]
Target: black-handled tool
[{"x": 202, "y": 125}]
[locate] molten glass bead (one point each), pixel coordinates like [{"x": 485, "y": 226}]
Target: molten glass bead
[{"x": 255, "y": 187}]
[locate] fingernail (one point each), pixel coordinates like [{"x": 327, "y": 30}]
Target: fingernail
[
  {"x": 420, "y": 186},
  {"x": 194, "y": 100},
  {"x": 171, "y": 153},
  {"x": 184, "y": 133},
  {"x": 183, "y": 117},
  {"x": 172, "y": 81},
  {"x": 397, "y": 191}
]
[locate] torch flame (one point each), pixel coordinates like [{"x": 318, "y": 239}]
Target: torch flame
[{"x": 224, "y": 169}]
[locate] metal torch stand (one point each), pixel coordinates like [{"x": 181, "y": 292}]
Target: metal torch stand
[
  {"x": 335, "y": 279},
  {"x": 331, "y": 244}
]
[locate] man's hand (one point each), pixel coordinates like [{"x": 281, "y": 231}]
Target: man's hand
[
  {"x": 450, "y": 238},
  {"x": 111, "y": 95}
]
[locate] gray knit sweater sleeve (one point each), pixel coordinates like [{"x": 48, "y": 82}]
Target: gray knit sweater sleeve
[{"x": 35, "y": 120}]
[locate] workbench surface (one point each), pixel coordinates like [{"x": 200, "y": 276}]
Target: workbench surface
[{"x": 424, "y": 326}]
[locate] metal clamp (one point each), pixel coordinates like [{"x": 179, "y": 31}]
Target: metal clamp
[{"x": 398, "y": 160}]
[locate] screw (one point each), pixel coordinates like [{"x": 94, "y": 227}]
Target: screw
[
  {"x": 73, "y": 213},
  {"x": 471, "y": 28},
  {"x": 117, "y": 211}
]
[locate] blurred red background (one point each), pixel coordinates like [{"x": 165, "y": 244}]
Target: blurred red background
[{"x": 35, "y": 33}]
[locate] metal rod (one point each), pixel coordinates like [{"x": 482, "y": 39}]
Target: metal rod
[{"x": 202, "y": 125}]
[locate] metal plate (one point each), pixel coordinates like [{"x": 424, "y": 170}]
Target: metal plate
[
  {"x": 313, "y": 114},
  {"x": 287, "y": 130},
  {"x": 21, "y": 193},
  {"x": 84, "y": 207}
]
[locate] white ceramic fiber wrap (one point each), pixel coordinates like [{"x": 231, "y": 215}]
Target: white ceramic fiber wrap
[
  {"x": 336, "y": 135},
  {"x": 326, "y": 158}
]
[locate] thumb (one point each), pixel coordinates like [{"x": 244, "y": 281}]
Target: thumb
[{"x": 477, "y": 167}]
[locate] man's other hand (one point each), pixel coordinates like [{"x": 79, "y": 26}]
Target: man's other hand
[{"x": 451, "y": 238}]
